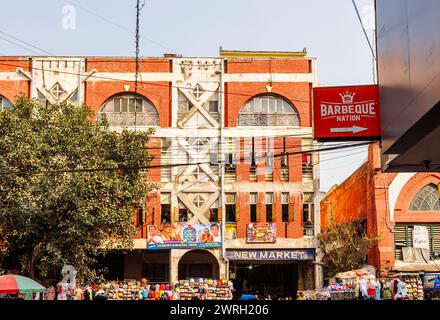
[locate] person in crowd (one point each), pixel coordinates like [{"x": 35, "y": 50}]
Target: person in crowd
[
  {"x": 88, "y": 293},
  {"x": 51, "y": 293},
  {"x": 247, "y": 296},
  {"x": 301, "y": 296},
  {"x": 100, "y": 294}
]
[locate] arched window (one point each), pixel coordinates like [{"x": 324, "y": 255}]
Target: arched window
[
  {"x": 129, "y": 110},
  {"x": 427, "y": 199},
  {"x": 268, "y": 110},
  {"x": 4, "y": 103}
]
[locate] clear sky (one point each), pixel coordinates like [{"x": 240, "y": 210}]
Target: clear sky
[{"x": 330, "y": 30}]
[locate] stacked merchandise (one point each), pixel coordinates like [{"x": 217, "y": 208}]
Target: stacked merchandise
[
  {"x": 340, "y": 292},
  {"x": 199, "y": 289},
  {"x": 126, "y": 290},
  {"x": 314, "y": 295},
  {"x": 414, "y": 287}
]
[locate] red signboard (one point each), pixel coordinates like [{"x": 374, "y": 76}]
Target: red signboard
[{"x": 346, "y": 113}]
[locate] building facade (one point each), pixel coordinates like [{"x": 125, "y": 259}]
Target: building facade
[
  {"x": 232, "y": 134},
  {"x": 392, "y": 206}
]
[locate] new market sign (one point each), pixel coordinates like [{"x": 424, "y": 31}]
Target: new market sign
[
  {"x": 270, "y": 254},
  {"x": 346, "y": 113}
]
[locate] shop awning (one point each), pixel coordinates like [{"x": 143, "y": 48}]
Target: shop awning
[{"x": 416, "y": 267}]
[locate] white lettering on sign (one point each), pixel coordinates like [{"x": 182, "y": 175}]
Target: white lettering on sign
[{"x": 347, "y": 110}]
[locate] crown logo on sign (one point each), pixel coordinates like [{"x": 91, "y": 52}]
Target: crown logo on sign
[{"x": 347, "y": 97}]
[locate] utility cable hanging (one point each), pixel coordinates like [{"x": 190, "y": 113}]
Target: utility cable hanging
[{"x": 363, "y": 28}]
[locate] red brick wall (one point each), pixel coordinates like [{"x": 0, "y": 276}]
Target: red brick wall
[
  {"x": 10, "y": 89},
  {"x": 10, "y": 64},
  {"x": 103, "y": 64},
  {"x": 98, "y": 92},
  {"x": 238, "y": 93},
  {"x": 293, "y": 229},
  {"x": 348, "y": 201},
  {"x": 268, "y": 66}
]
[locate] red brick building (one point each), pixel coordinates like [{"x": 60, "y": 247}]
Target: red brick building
[
  {"x": 391, "y": 204},
  {"x": 245, "y": 117}
]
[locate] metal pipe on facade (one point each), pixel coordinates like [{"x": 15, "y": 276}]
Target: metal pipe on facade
[{"x": 222, "y": 167}]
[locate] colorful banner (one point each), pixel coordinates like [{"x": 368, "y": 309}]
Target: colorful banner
[
  {"x": 183, "y": 236},
  {"x": 261, "y": 233}
]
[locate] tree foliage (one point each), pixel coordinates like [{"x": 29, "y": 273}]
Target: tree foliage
[
  {"x": 52, "y": 219},
  {"x": 344, "y": 247}
]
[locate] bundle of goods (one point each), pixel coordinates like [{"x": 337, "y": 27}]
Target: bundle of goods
[
  {"x": 414, "y": 287},
  {"x": 127, "y": 290},
  {"x": 336, "y": 292},
  {"x": 314, "y": 295},
  {"x": 205, "y": 289}
]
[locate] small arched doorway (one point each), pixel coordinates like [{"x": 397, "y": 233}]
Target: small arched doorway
[{"x": 198, "y": 264}]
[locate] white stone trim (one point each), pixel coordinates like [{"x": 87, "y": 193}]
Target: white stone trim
[
  {"x": 14, "y": 76},
  {"x": 269, "y": 77},
  {"x": 130, "y": 76},
  {"x": 395, "y": 188}
]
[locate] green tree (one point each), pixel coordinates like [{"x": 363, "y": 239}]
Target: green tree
[
  {"x": 49, "y": 216},
  {"x": 344, "y": 247}
]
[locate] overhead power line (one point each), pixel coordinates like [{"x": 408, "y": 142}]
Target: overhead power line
[
  {"x": 119, "y": 168},
  {"x": 116, "y": 24},
  {"x": 363, "y": 29},
  {"x": 19, "y": 45},
  {"x": 127, "y": 168},
  {"x": 27, "y": 43}
]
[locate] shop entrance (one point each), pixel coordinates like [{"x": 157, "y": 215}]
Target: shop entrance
[
  {"x": 278, "y": 280},
  {"x": 198, "y": 264}
]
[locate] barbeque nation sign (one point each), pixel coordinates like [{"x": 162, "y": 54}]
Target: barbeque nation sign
[{"x": 346, "y": 113}]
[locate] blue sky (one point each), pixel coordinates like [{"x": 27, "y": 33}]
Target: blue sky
[{"x": 330, "y": 31}]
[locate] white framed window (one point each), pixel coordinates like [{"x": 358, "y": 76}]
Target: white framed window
[
  {"x": 285, "y": 198},
  {"x": 268, "y": 110},
  {"x": 184, "y": 105},
  {"x": 254, "y": 198},
  {"x": 130, "y": 110},
  {"x": 4, "y": 103},
  {"x": 230, "y": 198},
  {"x": 269, "y": 198}
]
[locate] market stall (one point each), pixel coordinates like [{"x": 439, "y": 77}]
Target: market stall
[
  {"x": 205, "y": 289},
  {"x": 405, "y": 286},
  {"x": 192, "y": 289}
]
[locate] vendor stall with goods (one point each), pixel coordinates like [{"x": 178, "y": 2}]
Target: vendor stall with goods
[
  {"x": 403, "y": 286},
  {"x": 205, "y": 289}
]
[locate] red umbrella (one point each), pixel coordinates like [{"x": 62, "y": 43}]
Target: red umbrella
[{"x": 13, "y": 284}]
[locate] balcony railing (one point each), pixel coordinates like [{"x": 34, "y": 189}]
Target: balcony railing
[
  {"x": 125, "y": 119},
  {"x": 262, "y": 119}
]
